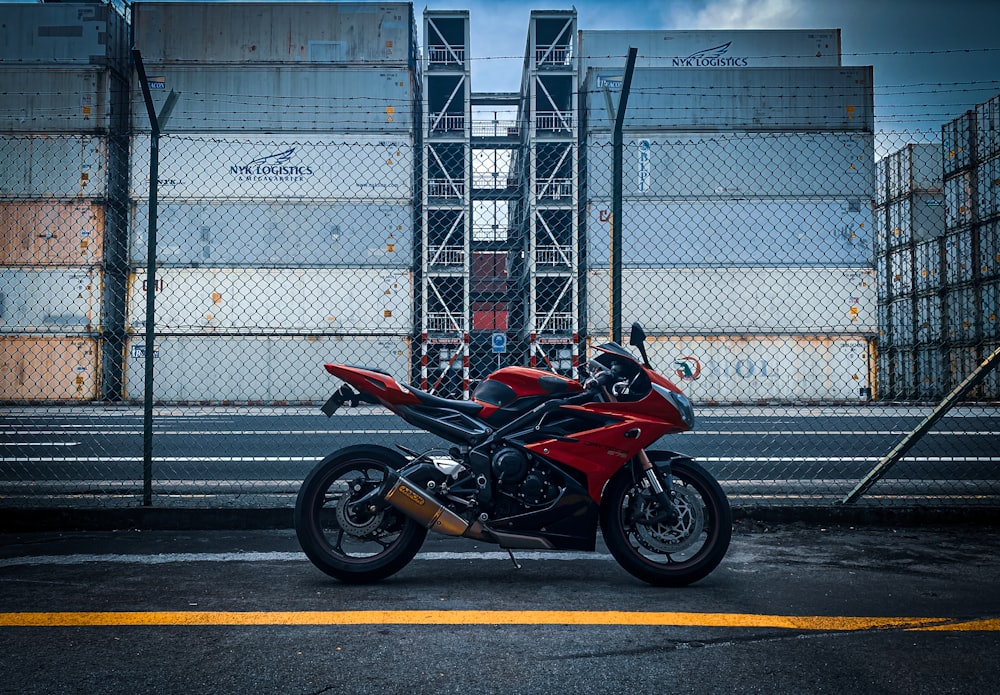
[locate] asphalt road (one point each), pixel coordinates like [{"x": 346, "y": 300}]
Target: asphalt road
[
  {"x": 758, "y": 452},
  {"x": 792, "y": 609}
]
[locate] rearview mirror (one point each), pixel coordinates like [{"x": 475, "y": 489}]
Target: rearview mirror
[{"x": 638, "y": 335}]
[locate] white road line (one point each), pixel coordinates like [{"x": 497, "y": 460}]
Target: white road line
[{"x": 166, "y": 558}]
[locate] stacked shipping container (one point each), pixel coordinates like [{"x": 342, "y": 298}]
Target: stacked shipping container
[
  {"x": 748, "y": 174},
  {"x": 61, "y": 234},
  {"x": 285, "y": 196}
]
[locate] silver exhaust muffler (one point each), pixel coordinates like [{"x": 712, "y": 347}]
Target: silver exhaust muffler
[{"x": 425, "y": 509}]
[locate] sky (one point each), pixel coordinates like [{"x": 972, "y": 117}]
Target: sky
[{"x": 932, "y": 60}]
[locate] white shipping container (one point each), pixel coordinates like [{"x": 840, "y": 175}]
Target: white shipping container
[
  {"x": 753, "y": 369},
  {"x": 989, "y": 249},
  {"x": 928, "y": 327},
  {"x": 53, "y": 166},
  {"x": 900, "y": 333},
  {"x": 50, "y": 300},
  {"x": 915, "y": 168},
  {"x": 958, "y": 261},
  {"x": 703, "y": 301},
  {"x": 60, "y": 100},
  {"x": 735, "y": 165},
  {"x": 901, "y": 271},
  {"x": 272, "y": 369},
  {"x": 991, "y": 310},
  {"x": 734, "y": 233},
  {"x": 928, "y": 266},
  {"x": 988, "y": 188},
  {"x": 956, "y": 143},
  {"x": 988, "y": 129},
  {"x": 219, "y": 234},
  {"x": 243, "y": 33},
  {"x": 929, "y": 373},
  {"x": 277, "y": 168},
  {"x": 749, "y": 99},
  {"x": 721, "y": 49},
  {"x": 958, "y": 200},
  {"x": 961, "y": 315},
  {"x": 291, "y": 99},
  {"x": 255, "y": 300}
]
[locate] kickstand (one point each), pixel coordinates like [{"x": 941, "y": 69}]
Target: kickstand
[{"x": 513, "y": 559}]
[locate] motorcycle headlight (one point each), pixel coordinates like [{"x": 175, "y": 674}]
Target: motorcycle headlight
[{"x": 681, "y": 402}]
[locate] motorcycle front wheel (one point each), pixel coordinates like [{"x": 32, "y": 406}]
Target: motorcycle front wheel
[
  {"x": 659, "y": 552},
  {"x": 351, "y": 541}
]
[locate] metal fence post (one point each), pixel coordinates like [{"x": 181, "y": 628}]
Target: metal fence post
[{"x": 616, "y": 202}]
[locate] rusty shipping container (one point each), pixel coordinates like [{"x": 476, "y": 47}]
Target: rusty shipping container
[
  {"x": 261, "y": 369},
  {"x": 241, "y": 33},
  {"x": 54, "y": 166},
  {"x": 48, "y": 368},
  {"x": 51, "y": 233},
  {"x": 62, "y": 100},
  {"x": 83, "y": 34}
]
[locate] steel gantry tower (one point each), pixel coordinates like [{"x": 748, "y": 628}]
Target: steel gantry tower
[{"x": 500, "y": 257}]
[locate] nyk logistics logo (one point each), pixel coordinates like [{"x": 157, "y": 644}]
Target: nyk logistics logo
[
  {"x": 712, "y": 58},
  {"x": 279, "y": 167}
]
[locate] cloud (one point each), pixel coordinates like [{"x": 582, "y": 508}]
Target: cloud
[{"x": 736, "y": 14}]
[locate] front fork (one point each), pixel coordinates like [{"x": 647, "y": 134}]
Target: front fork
[{"x": 664, "y": 493}]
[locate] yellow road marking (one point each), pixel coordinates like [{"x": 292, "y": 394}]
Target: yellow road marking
[{"x": 444, "y": 617}]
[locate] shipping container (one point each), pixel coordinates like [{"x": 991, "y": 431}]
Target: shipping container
[
  {"x": 958, "y": 261},
  {"x": 928, "y": 326},
  {"x": 988, "y": 188},
  {"x": 824, "y": 99},
  {"x": 961, "y": 315},
  {"x": 61, "y": 100},
  {"x": 900, "y": 269},
  {"x": 930, "y": 373},
  {"x": 991, "y": 384},
  {"x": 734, "y": 233},
  {"x": 50, "y": 300},
  {"x": 86, "y": 34},
  {"x": 988, "y": 129},
  {"x": 710, "y": 48},
  {"x": 901, "y": 334},
  {"x": 960, "y": 363},
  {"x": 291, "y": 99},
  {"x": 915, "y": 168},
  {"x": 753, "y": 369},
  {"x": 51, "y": 233},
  {"x": 271, "y": 369},
  {"x": 275, "y": 301},
  {"x": 54, "y": 166},
  {"x": 989, "y": 249},
  {"x": 899, "y": 382},
  {"x": 959, "y": 205},
  {"x": 220, "y": 234},
  {"x": 239, "y": 33},
  {"x": 991, "y": 310},
  {"x": 275, "y": 168},
  {"x": 48, "y": 369},
  {"x": 735, "y": 165},
  {"x": 702, "y": 301},
  {"x": 956, "y": 143},
  {"x": 927, "y": 257}
]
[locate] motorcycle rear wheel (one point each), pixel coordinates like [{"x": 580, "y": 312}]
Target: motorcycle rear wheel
[
  {"x": 661, "y": 553},
  {"x": 348, "y": 542}
]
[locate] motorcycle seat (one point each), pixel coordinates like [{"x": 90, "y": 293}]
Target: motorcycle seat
[{"x": 470, "y": 408}]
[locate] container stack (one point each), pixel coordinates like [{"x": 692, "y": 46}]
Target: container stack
[
  {"x": 971, "y": 253},
  {"x": 285, "y": 196},
  {"x": 747, "y": 230},
  {"x": 909, "y": 243},
  {"x": 64, "y": 104}
]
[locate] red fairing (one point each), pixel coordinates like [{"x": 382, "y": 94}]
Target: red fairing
[
  {"x": 527, "y": 382},
  {"x": 382, "y": 386}
]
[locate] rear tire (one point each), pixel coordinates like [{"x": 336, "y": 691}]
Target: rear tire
[
  {"x": 354, "y": 544},
  {"x": 665, "y": 554}
]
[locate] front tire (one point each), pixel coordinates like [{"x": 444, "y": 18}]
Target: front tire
[
  {"x": 350, "y": 542},
  {"x": 661, "y": 553}
]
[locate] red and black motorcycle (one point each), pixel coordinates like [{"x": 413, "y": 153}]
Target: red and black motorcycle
[{"x": 538, "y": 462}]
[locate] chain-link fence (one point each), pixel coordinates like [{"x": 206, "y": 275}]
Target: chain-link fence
[{"x": 817, "y": 287}]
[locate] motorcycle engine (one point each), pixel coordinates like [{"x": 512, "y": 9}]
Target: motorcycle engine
[{"x": 518, "y": 476}]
